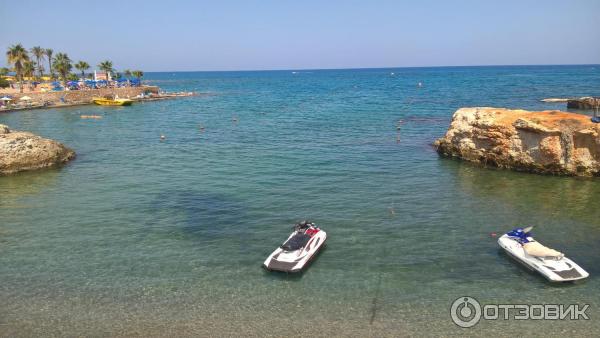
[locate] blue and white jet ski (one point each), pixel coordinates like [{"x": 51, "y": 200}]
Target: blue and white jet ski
[{"x": 520, "y": 245}]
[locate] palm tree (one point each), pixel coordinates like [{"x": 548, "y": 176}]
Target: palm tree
[
  {"x": 82, "y": 66},
  {"x": 39, "y": 54},
  {"x": 63, "y": 65},
  {"x": 138, "y": 74},
  {"x": 17, "y": 56},
  {"x": 49, "y": 52},
  {"x": 3, "y": 72},
  {"x": 107, "y": 67},
  {"x": 127, "y": 73},
  {"x": 29, "y": 71}
]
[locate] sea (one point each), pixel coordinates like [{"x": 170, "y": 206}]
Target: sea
[{"x": 143, "y": 236}]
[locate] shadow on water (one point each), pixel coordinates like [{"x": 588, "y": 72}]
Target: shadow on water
[
  {"x": 198, "y": 214},
  {"x": 576, "y": 197},
  {"x": 26, "y": 183}
]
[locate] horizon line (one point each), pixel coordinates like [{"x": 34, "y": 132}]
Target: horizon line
[{"x": 366, "y": 68}]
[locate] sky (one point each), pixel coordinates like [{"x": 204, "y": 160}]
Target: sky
[{"x": 305, "y": 34}]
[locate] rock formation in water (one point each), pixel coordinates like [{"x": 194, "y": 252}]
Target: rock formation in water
[
  {"x": 584, "y": 103},
  {"x": 21, "y": 151},
  {"x": 548, "y": 142}
]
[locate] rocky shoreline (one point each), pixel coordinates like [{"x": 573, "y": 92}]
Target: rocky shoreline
[
  {"x": 21, "y": 151},
  {"x": 547, "y": 142},
  {"x": 582, "y": 103}
]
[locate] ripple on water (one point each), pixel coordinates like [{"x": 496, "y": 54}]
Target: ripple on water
[{"x": 143, "y": 237}]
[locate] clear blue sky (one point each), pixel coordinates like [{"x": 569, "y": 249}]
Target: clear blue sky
[{"x": 281, "y": 34}]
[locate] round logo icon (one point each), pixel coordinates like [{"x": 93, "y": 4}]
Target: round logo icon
[{"x": 465, "y": 311}]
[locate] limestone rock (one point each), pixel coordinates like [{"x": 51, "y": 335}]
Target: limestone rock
[
  {"x": 21, "y": 151},
  {"x": 584, "y": 103},
  {"x": 548, "y": 142}
]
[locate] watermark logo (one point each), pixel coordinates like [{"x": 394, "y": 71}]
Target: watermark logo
[{"x": 467, "y": 311}]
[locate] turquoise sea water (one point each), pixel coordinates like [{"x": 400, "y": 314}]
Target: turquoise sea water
[{"x": 140, "y": 237}]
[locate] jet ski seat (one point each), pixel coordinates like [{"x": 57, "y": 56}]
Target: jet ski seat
[
  {"x": 298, "y": 241},
  {"x": 536, "y": 249}
]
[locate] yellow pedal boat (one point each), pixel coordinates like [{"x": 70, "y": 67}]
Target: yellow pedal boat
[{"x": 112, "y": 102}]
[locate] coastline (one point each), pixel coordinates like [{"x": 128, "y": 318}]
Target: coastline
[
  {"x": 143, "y": 237},
  {"x": 63, "y": 99}
]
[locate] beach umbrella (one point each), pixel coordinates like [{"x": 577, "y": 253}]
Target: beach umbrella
[
  {"x": 6, "y": 98},
  {"x": 25, "y": 98}
]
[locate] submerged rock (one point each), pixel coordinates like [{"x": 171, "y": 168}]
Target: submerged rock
[
  {"x": 548, "y": 142},
  {"x": 20, "y": 151}
]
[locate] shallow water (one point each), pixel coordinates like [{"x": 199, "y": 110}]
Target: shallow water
[{"x": 143, "y": 237}]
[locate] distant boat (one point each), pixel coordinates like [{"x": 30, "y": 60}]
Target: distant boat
[{"x": 112, "y": 102}]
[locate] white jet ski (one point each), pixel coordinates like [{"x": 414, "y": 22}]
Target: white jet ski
[
  {"x": 298, "y": 250},
  {"x": 520, "y": 245}
]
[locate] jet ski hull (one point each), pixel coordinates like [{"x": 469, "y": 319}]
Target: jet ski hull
[
  {"x": 296, "y": 260},
  {"x": 553, "y": 269}
]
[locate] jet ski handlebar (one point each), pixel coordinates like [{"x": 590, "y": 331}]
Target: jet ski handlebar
[{"x": 302, "y": 225}]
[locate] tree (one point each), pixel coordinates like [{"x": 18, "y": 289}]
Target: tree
[
  {"x": 82, "y": 66},
  {"x": 29, "y": 71},
  {"x": 49, "y": 52},
  {"x": 17, "y": 56},
  {"x": 4, "y": 71},
  {"x": 127, "y": 73},
  {"x": 39, "y": 54},
  {"x": 137, "y": 74},
  {"x": 106, "y": 66},
  {"x": 63, "y": 65}
]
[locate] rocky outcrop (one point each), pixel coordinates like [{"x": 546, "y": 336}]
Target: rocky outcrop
[
  {"x": 21, "y": 151},
  {"x": 584, "y": 103},
  {"x": 548, "y": 142}
]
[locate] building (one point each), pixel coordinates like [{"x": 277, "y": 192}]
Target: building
[{"x": 102, "y": 76}]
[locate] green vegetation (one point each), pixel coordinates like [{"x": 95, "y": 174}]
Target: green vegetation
[
  {"x": 17, "y": 56},
  {"x": 29, "y": 69},
  {"x": 39, "y": 53},
  {"x": 49, "y": 53},
  {"x": 137, "y": 74},
  {"x": 30, "y": 66},
  {"x": 82, "y": 66},
  {"x": 4, "y": 82},
  {"x": 106, "y": 66},
  {"x": 63, "y": 65}
]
